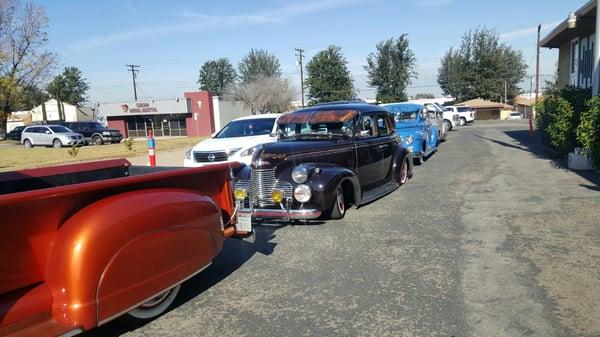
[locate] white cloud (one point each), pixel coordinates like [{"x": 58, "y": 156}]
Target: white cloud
[
  {"x": 197, "y": 21},
  {"x": 433, "y": 3},
  {"x": 529, "y": 31}
]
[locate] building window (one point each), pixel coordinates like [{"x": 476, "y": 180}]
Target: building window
[{"x": 163, "y": 125}]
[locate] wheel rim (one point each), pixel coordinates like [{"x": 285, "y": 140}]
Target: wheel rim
[
  {"x": 340, "y": 202},
  {"x": 57, "y": 143},
  {"x": 97, "y": 140},
  {"x": 155, "y": 301},
  {"x": 27, "y": 143},
  {"x": 156, "y": 305},
  {"x": 403, "y": 172}
]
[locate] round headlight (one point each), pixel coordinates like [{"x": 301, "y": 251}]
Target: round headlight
[
  {"x": 302, "y": 193},
  {"x": 409, "y": 139},
  {"x": 300, "y": 174}
]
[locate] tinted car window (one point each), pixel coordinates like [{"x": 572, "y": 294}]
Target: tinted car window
[
  {"x": 382, "y": 126},
  {"x": 463, "y": 109},
  {"x": 59, "y": 129},
  {"x": 247, "y": 127},
  {"x": 366, "y": 127}
]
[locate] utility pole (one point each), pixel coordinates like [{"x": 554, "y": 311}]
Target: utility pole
[
  {"x": 300, "y": 55},
  {"x": 505, "y": 90},
  {"x": 134, "y": 69},
  {"x": 537, "y": 68}
]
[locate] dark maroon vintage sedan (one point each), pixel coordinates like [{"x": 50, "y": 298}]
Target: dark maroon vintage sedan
[{"x": 327, "y": 158}]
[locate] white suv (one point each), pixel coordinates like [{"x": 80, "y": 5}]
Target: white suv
[
  {"x": 236, "y": 141},
  {"x": 466, "y": 114}
]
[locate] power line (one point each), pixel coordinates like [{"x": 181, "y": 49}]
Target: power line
[{"x": 134, "y": 70}]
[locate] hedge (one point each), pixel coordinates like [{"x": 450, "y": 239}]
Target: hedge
[{"x": 588, "y": 131}]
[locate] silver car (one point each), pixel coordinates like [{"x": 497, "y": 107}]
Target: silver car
[{"x": 50, "y": 135}]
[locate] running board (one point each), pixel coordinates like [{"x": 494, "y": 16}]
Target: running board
[{"x": 378, "y": 192}]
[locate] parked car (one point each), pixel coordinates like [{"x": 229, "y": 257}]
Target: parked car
[
  {"x": 15, "y": 134},
  {"x": 328, "y": 157},
  {"x": 236, "y": 141},
  {"x": 50, "y": 135},
  {"x": 436, "y": 116},
  {"x": 85, "y": 243},
  {"x": 515, "y": 115},
  {"x": 94, "y": 132},
  {"x": 418, "y": 134},
  {"x": 451, "y": 119},
  {"x": 466, "y": 114}
]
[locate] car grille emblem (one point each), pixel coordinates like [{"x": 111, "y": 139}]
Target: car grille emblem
[{"x": 211, "y": 157}]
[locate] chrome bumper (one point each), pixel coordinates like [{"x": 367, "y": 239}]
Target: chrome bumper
[{"x": 286, "y": 214}]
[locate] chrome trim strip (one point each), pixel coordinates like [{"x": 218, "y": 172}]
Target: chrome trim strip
[
  {"x": 293, "y": 214},
  {"x": 151, "y": 297}
]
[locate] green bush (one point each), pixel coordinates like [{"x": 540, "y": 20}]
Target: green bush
[
  {"x": 559, "y": 115},
  {"x": 554, "y": 122},
  {"x": 588, "y": 131}
]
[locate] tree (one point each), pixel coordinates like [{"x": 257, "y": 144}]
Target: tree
[
  {"x": 391, "y": 68},
  {"x": 216, "y": 76},
  {"x": 264, "y": 95},
  {"x": 424, "y": 95},
  {"x": 256, "y": 64},
  {"x": 328, "y": 78},
  {"x": 480, "y": 67},
  {"x": 23, "y": 62},
  {"x": 31, "y": 97},
  {"x": 69, "y": 87}
]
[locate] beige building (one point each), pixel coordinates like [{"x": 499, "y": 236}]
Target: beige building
[
  {"x": 576, "y": 47},
  {"x": 60, "y": 111},
  {"x": 485, "y": 109}
]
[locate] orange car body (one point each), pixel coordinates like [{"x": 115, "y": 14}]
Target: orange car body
[{"x": 82, "y": 244}]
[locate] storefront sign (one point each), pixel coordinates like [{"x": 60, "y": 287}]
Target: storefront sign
[{"x": 139, "y": 107}]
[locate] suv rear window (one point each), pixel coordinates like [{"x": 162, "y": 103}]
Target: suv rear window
[{"x": 463, "y": 109}]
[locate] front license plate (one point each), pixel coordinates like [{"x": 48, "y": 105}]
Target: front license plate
[{"x": 244, "y": 223}]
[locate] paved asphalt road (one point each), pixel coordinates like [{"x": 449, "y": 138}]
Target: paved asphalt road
[{"x": 489, "y": 238}]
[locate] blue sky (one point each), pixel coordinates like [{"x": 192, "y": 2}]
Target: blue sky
[{"x": 170, "y": 40}]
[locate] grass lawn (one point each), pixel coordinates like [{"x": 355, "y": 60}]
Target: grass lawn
[{"x": 18, "y": 157}]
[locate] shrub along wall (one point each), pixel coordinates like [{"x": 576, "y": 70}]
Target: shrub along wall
[
  {"x": 588, "y": 131},
  {"x": 559, "y": 115}
]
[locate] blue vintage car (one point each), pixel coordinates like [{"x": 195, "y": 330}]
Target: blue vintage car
[{"x": 419, "y": 135}]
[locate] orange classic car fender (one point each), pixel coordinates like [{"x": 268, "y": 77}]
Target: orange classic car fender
[{"x": 118, "y": 252}]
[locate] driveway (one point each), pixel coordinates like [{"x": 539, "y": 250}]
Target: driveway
[{"x": 487, "y": 239}]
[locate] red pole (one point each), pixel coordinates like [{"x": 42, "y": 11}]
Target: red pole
[{"x": 151, "y": 146}]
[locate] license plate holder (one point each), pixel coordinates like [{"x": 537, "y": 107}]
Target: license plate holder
[{"x": 244, "y": 222}]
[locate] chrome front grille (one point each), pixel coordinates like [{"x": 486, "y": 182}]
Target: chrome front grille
[
  {"x": 262, "y": 182},
  {"x": 207, "y": 157},
  {"x": 261, "y": 185}
]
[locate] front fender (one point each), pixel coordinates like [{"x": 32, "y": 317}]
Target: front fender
[
  {"x": 121, "y": 250},
  {"x": 324, "y": 183}
]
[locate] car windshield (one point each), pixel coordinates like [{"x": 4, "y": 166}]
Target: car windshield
[
  {"x": 247, "y": 127},
  {"x": 315, "y": 130},
  {"x": 96, "y": 125},
  {"x": 59, "y": 129},
  {"x": 405, "y": 111},
  {"x": 515, "y": 114}
]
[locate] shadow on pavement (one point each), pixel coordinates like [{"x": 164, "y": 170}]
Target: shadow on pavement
[
  {"x": 234, "y": 254},
  {"x": 533, "y": 145}
]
